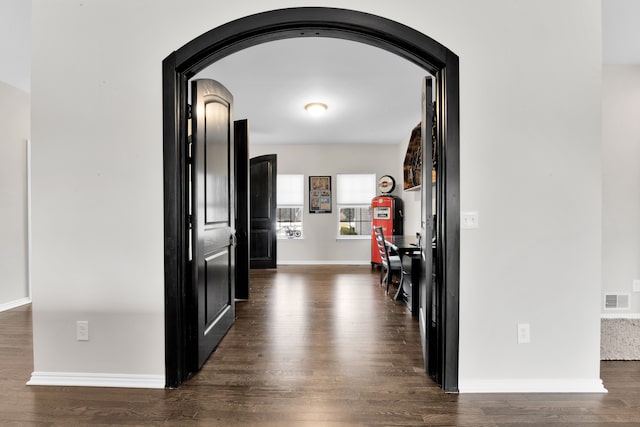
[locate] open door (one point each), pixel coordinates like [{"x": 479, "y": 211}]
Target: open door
[
  {"x": 213, "y": 203},
  {"x": 263, "y": 183},
  {"x": 428, "y": 307},
  {"x": 241, "y": 142}
]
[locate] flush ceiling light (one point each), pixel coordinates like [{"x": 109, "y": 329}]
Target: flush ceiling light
[{"x": 316, "y": 108}]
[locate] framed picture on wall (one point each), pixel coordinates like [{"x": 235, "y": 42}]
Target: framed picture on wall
[{"x": 319, "y": 194}]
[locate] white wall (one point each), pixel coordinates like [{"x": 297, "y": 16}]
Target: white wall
[
  {"x": 531, "y": 167},
  {"x": 621, "y": 175},
  {"x": 14, "y": 132},
  {"x": 319, "y": 243},
  {"x": 530, "y": 158}
]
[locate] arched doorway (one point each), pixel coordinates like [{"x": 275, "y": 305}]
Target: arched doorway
[{"x": 394, "y": 37}]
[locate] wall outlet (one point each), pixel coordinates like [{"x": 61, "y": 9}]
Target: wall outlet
[
  {"x": 82, "y": 330},
  {"x": 524, "y": 333},
  {"x": 636, "y": 285},
  {"x": 469, "y": 220}
]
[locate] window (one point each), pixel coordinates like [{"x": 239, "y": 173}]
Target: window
[
  {"x": 290, "y": 201},
  {"x": 353, "y": 197}
]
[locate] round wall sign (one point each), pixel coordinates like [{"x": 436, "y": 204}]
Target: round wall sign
[{"x": 386, "y": 184}]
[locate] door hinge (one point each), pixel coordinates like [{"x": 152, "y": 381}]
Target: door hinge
[
  {"x": 190, "y": 219},
  {"x": 189, "y": 150},
  {"x": 189, "y": 112}
]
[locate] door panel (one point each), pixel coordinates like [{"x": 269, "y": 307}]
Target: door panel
[
  {"x": 213, "y": 211},
  {"x": 218, "y": 294},
  {"x": 263, "y": 242},
  {"x": 217, "y": 168}
]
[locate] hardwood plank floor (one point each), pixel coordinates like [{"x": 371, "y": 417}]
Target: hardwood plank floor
[{"x": 314, "y": 346}]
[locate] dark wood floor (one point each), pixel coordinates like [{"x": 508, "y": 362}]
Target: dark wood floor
[{"x": 314, "y": 346}]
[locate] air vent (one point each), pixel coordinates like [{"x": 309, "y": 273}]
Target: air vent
[{"x": 616, "y": 301}]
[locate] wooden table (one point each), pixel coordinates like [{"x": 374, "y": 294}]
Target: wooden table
[{"x": 402, "y": 244}]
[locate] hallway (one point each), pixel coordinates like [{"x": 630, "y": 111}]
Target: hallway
[{"x": 314, "y": 346}]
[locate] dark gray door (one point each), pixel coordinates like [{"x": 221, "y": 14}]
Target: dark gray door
[
  {"x": 428, "y": 291},
  {"x": 241, "y": 142},
  {"x": 213, "y": 214},
  {"x": 262, "y": 240}
]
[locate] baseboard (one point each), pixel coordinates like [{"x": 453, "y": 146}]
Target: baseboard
[
  {"x": 80, "y": 379},
  {"x": 532, "y": 386},
  {"x": 326, "y": 262},
  {"x": 620, "y": 316},
  {"x": 13, "y": 304}
]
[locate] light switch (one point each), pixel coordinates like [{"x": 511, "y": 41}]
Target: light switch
[
  {"x": 524, "y": 333},
  {"x": 469, "y": 220},
  {"x": 636, "y": 286},
  {"x": 82, "y": 330}
]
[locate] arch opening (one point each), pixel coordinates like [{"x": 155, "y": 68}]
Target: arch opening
[{"x": 252, "y": 30}]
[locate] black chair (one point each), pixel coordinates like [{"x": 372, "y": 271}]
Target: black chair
[{"x": 390, "y": 263}]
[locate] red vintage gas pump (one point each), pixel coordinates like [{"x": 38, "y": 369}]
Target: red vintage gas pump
[{"x": 386, "y": 212}]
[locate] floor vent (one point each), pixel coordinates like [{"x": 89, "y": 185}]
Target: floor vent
[{"x": 616, "y": 301}]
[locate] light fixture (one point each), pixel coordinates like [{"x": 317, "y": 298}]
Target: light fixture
[{"x": 316, "y": 108}]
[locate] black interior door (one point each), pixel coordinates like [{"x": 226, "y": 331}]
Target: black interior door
[
  {"x": 241, "y": 142},
  {"x": 262, "y": 240},
  {"x": 429, "y": 306},
  {"x": 213, "y": 215}
]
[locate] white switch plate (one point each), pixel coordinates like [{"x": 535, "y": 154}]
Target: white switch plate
[
  {"x": 82, "y": 330},
  {"x": 469, "y": 220},
  {"x": 636, "y": 286},
  {"x": 524, "y": 333}
]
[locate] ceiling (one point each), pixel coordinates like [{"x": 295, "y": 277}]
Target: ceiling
[
  {"x": 373, "y": 96},
  {"x": 15, "y": 43}
]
